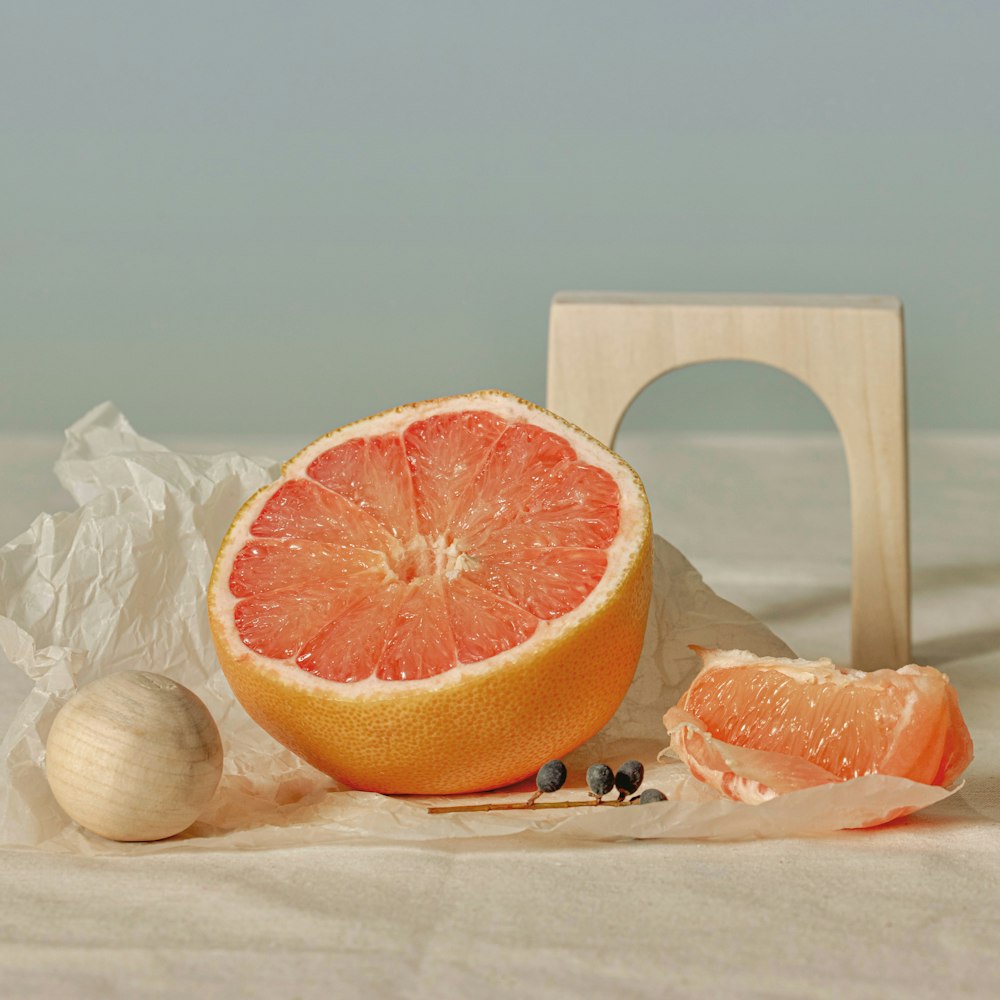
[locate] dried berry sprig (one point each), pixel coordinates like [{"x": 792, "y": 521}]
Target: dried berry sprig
[
  {"x": 551, "y": 777},
  {"x": 497, "y": 806}
]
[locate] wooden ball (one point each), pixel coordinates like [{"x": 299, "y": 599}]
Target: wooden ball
[{"x": 134, "y": 756}]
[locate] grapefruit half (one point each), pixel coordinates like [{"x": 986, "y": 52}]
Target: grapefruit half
[
  {"x": 755, "y": 727},
  {"x": 438, "y": 598}
]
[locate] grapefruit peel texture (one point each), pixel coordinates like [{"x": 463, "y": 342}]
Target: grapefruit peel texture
[{"x": 782, "y": 726}]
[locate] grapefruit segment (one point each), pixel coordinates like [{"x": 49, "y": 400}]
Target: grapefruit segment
[
  {"x": 445, "y": 453},
  {"x": 957, "y": 751},
  {"x": 266, "y": 565},
  {"x": 304, "y": 509},
  {"x": 438, "y": 598},
  {"x": 374, "y": 474},
  {"x": 754, "y": 727},
  {"x": 420, "y": 641},
  {"x": 546, "y": 582},
  {"x": 742, "y": 773},
  {"x": 576, "y": 506},
  {"x": 523, "y": 457},
  {"x": 278, "y": 625},
  {"x": 483, "y": 623},
  {"x": 347, "y": 648}
]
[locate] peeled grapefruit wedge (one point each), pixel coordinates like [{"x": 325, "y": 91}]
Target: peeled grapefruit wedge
[
  {"x": 439, "y": 598},
  {"x": 754, "y": 728}
]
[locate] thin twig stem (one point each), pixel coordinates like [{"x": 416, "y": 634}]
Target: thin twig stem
[{"x": 495, "y": 806}]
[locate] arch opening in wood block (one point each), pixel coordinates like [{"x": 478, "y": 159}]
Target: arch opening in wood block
[{"x": 755, "y": 493}]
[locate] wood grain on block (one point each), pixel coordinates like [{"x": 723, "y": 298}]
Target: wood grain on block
[{"x": 604, "y": 349}]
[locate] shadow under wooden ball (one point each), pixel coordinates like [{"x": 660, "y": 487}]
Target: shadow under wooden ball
[{"x": 134, "y": 756}]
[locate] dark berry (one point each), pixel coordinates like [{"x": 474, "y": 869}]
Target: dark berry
[
  {"x": 600, "y": 779},
  {"x": 629, "y": 777},
  {"x": 551, "y": 776},
  {"x": 651, "y": 795}
]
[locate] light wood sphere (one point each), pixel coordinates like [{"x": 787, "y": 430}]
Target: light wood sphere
[{"x": 134, "y": 756}]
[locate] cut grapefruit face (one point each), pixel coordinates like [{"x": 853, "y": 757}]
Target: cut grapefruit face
[
  {"x": 754, "y": 728},
  {"x": 438, "y": 598}
]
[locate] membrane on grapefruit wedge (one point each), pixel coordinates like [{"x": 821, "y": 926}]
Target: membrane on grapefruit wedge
[
  {"x": 754, "y": 727},
  {"x": 438, "y": 598}
]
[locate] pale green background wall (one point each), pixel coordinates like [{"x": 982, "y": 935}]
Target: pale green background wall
[{"x": 282, "y": 216}]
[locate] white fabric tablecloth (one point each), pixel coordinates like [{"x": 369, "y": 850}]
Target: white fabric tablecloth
[{"x": 911, "y": 909}]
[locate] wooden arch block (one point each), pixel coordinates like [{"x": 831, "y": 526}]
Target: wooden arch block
[{"x": 604, "y": 349}]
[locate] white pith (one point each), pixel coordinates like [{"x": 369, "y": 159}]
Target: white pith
[
  {"x": 822, "y": 671},
  {"x": 446, "y": 557}
]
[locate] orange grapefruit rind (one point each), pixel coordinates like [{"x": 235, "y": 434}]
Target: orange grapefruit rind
[{"x": 485, "y": 724}]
